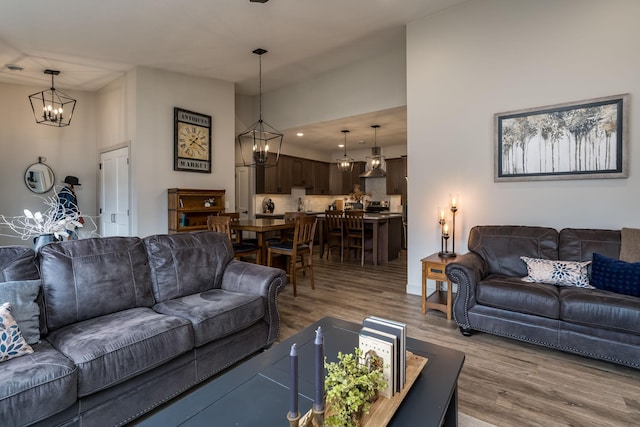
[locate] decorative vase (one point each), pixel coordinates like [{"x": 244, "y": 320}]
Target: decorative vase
[{"x": 42, "y": 240}]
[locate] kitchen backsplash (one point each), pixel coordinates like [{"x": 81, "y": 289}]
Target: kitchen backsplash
[{"x": 289, "y": 202}]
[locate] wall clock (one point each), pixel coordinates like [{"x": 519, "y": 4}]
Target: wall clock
[{"x": 192, "y": 141}]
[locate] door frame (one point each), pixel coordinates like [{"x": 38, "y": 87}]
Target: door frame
[{"x": 126, "y": 144}]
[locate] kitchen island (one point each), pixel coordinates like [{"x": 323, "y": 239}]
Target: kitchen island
[{"x": 386, "y": 237}]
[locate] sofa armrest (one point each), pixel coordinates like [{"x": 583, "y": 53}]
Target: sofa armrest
[
  {"x": 247, "y": 278},
  {"x": 466, "y": 272}
]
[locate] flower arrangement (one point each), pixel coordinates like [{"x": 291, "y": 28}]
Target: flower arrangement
[
  {"x": 357, "y": 194},
  {"x": 352, "y": 384},
  {"x": 52, "y": 221}
]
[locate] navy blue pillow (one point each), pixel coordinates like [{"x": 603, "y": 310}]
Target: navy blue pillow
[{"x": 616, "y": 276}]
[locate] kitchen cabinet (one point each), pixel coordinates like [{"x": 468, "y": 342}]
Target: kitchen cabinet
[
  {"x": 320, "y": 178},
  {"x": 343, "y": 183},
  {"x": 189, "y": 209},
  {"x": 396, "y": 173},
  {"x": 272, "y": 179}
]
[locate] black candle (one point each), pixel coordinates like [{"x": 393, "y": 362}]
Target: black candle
[
  {"x": 293, "y": 360},
  {"x": 318, "y": 401}
]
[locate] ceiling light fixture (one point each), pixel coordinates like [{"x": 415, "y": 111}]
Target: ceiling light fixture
[
  {"x": 345, "y": 164},
  {"x": 260, "y": 136},
  {"x": 52, "y": 107},
  {"x": 376, "y": 160}
]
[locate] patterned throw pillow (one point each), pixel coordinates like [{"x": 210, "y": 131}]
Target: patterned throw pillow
[
  {"x": 562, "y": 273},
  {"x": 11, "y": 342},
  {"x": 616, "y": 276}
]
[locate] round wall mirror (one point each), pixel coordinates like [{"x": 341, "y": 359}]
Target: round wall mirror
[{"x": 39, "y": 178}]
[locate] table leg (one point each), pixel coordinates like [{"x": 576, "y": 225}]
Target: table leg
[
  {"x": 321, "y": 236},
  {"x": 424, "y": 287},
  {"x": 263, "y": 247},
  {"x": 375, "y": 243}
]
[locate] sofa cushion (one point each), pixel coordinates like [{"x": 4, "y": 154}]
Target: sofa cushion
[
  {"x": 17, "y": 263},
  {"x": 12, "y": 343},
  {"x": 88, "y": 278},
  {"x": 110, "y": 349},
  {"x": 579, "y": 244},
  {"x": 215, "y": 313},
  {"x": 502, "y": 246},
  {"x": 22, "y": 295},
  {"x": 630, "y": 244},
  {"x": 600, "y": 309},
  {"x": 187, "y": 263},
  {"x": 561, "y": 273},
  {"x": 511, "y": 293},
  {"x": 39, "y": 384},
  {"x": 616, "y": 276}
]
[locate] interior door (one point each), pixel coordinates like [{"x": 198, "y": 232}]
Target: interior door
[
  {"x": 114, "y": 194},
  {"x": 243, "y": 192}
]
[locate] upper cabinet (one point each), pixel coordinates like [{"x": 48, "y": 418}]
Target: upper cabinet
[
  {"x": 318, "y": 178},
  {"x": 396, "y": 176},
  {"x": 293, "y": 172},
  {"x": 343, "y": 183}
]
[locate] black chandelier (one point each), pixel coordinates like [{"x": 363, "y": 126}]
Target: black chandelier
[
  {"x": 52, "y": 107},
  {"x": 260, "y": 136},
  {"x": 345, "y": 164}
]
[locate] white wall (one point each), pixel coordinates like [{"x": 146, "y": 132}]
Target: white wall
[
  {"x": 377, "y": 83},
  {"x": 69, "y": 150},
  {"x": 490, "y": 56},
  {"x": 157, "y": 93}
]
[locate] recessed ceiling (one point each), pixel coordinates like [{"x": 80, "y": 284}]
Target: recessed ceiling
[
  {"x": 326, "y": 136},
  {"x": 92, "y": 43}
]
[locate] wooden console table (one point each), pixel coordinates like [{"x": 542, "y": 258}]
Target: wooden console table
[{"x": 433, "y": 268}]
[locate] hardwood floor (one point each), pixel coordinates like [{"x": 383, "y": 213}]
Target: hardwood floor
[{"x": 503, "y": 382}]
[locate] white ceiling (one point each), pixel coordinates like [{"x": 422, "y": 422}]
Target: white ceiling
[{"x": 92, "y": 43}]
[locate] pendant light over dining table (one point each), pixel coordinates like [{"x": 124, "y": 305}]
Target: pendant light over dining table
[
  {"x": 345, "y": 164},
  {"x": 260, "y": 139},
  {"x": 52, "y": 106}
]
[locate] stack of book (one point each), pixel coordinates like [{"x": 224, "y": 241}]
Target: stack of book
[{"x": 388, "y": 340}]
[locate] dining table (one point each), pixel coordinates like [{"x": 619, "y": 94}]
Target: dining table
[{"x": 263, "y": 226}]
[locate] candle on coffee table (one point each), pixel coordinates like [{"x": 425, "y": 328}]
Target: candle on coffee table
[
  {"x": 293, "y": 364},
  {"x": 318, "y": 402}
]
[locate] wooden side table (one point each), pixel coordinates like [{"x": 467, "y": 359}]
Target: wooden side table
[{"x": 433, "y": 268}]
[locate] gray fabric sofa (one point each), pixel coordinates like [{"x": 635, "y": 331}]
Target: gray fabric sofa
[
  {"x": 128, "y": 323},
  {"x": 492, "y": 298}
]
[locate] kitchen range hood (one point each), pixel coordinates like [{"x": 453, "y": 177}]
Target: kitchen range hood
[{"x": 375, "y": 164}]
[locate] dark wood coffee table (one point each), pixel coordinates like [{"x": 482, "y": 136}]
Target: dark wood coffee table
[{"x": 256, "y": 392}]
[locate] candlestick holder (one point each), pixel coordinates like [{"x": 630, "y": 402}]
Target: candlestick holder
[
  {"x": 293, "y": 421},
  {"x": 318, "y": 417},
  {"x": 442, "y": 222},
  {"x": 452, "y": 254}
]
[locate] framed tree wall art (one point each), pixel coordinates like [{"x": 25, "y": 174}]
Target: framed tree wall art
[
  {"x": 192, "y": 141},
  {"x": 577, "y": 140}
]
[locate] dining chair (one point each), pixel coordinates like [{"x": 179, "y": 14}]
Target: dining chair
[
  {"x": 290, "y": 216},
  {"x": 222, "y": 224},
  {"x": 335, "y": 231},
  {"x": 300, "y": 249},
  {"x": 355, "y": 232}
]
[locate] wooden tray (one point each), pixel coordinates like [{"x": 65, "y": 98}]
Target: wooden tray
[{"x": 382, "y": 410}]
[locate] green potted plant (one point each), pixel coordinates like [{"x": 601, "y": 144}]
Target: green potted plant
[{"x": 352, "y": 384}]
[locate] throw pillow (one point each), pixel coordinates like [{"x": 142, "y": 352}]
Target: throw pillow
[
  {"x": 11, "y": 342},
  {"x": 22, "y": 294},
  {"x": 616, "y": 276},
  {"x": 562, "y": 273},
  {"x": 630, "y": 244}
]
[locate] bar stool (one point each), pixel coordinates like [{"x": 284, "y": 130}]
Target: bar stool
[
  {"x": 354, "y": 227},
  {"x": 335, "y": 232}
]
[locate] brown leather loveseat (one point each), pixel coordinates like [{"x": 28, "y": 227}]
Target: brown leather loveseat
[{"x": 493, "y": 298}]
